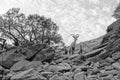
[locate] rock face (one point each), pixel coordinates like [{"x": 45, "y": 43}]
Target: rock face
[{"x": 112, "y": 39}]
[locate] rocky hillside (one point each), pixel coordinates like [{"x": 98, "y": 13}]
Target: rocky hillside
[{"x": 100, "y": 60}]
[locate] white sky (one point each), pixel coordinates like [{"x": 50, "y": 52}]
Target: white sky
[{"x": 88, "y": 18}]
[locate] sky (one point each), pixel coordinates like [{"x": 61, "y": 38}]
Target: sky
[{"x": 88, "y": 18}]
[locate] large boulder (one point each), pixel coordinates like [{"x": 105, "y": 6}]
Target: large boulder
[
  {"x": 32, "y": 51},
  {"x": 19, "y": 65},
  {"x": 10, "y": 57},
  {"x": 46, "y": 54},
  {"x": 29, "y": 74},
  {"x": 25, "y": 65}
]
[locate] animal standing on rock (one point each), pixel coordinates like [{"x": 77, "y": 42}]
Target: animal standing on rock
[{"x": 71, "y": 49}]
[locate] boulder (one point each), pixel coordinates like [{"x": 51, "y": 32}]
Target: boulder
[
  {"x": 10, "y": 57},
  {"x": 19, "y": 65},
  {"x": 24, "y": 65},
  {"x": 29, "y": 74},
  {"x": 22, "y": 75},
  {"x": 32, "y": 51},
  {"x": 46, "y": 54}
]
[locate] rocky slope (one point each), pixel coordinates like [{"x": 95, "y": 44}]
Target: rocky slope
[{"x": 100, "y": 60}]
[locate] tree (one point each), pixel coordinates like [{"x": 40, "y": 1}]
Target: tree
[
  {"x": 33, "y": 29},
  {"x": 43, "y": 30},
  {"x": 12, "y": 25}
]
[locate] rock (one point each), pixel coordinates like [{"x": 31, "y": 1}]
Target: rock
[
  {"x": 116, "y": 65},
  {"x": 116, "y": 55},
  {"x": 63, "y": 78},
  {"x": 94, "y": 71},
  {"x": 33, "y": 64},
  {"x": 106, "y": 79},
  {"x": 91, "y": 79},
  {"x": 1, "y": 70},
  {"x": 55, "y": 77},
  {"x": 46, "y": 55},
  {"x": 77, "y": 70},
  {"x": 97, "y": 64},
  {"x": 24, "y": 65},
  {"x": 59, "y": 60},
  {"x": 74, "y": 56},
  {"x": 21, "y": 75},
  {"x": 38, "y": 77},
  {"x": 106, "y": 73},
  {"x": 68, "y": 75},
  {"x": 19, "y": 65},
  {"x": 108, "y": 68},
  {"x": 32, "y": 51},
  {"x": 79, "y": 76},
  {"x": 118, "y": 76},
  {"x": 109, "y": 60},
  {"x": 28, "y": 52},
  {"x": 60, "y": 67},
  {"x": 10, "y": 57},
  {"x": 47, "y": 74},
  {"x": 29, "y": 74},
  {"x": 112, "y": 32}
]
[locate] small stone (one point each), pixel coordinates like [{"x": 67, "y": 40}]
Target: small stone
[
  {"x": 79, "y": 76},
  {"x": 118, "y": 76},
  {"x": 68, "y": 75},
  {"x": 63, "y": 78},
  {"x": 55, "y": 77},
  {"x": 77, "y": 70},
  {"x": 110, "y": 60},
  {"x": 108, "y": 68},
  {"x": 47, "y": 74},
  {"x": 97, "y": 64},
  {"x": 106, "y": 73},
  {"x": 116, "y": 55},
  {"x": 116, "y": 65},
  {"x": 60, "y": 67},
  {"x": 106, "y": 79}
]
